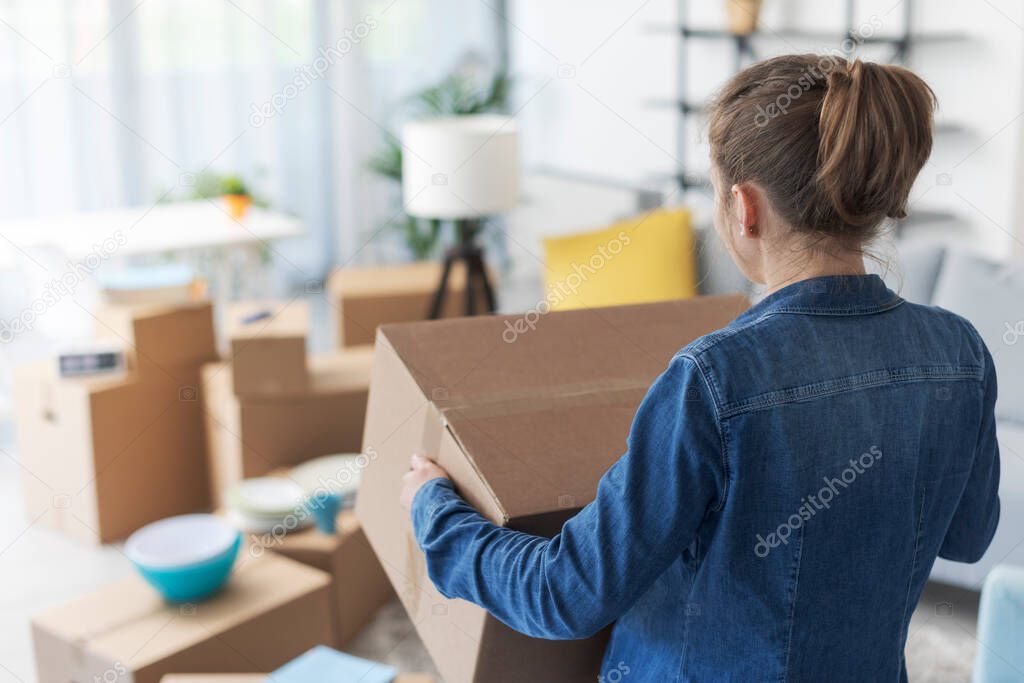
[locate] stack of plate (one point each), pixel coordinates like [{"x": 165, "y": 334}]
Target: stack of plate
[
  {"x": 282, "y": 504},
  {"x": 338, "y": 474},
  {"x": 267, "y": 504}
]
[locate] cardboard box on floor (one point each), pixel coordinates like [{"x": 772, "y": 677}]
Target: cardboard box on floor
[
  {"x": 263, "y": 678},
  {"x": 362, "y": 299},
  {"x": 359, "y": 588},
  {"x": 360, "y": 585},
  {"x": 526, "y": 429},
  {"x": 105, "y": 455},
  {"x": 271, "y": 611},
  {"x": 248, "y": 436}
]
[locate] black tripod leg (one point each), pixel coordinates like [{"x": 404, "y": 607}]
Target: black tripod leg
[
  {"x": 442, "y": 290},
  {"x": 470, "y": 287},
  {"x": 486, "y": 284}
]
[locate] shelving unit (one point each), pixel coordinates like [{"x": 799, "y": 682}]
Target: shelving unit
[{"x": 746, "y": 49}]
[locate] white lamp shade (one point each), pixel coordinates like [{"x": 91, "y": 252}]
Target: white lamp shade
[{"x": 460, "y": 166}]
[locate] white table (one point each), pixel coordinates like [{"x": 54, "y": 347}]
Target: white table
[
  {"x": 173, "y": 227},
  {"x": 195, "y": 230}
]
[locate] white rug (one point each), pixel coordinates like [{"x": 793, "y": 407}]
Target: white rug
[
  {"x": 938, "y": 651},
  {"x": 940, "y": 655}
]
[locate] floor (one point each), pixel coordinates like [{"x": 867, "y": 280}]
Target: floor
[{"x": 39, "y": 568}]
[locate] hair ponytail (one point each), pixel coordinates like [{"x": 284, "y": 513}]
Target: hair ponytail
[
  {"x": 836, "y": 145},
  {"x": 875, "y": 134}
]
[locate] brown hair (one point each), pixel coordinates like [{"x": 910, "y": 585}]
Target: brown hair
[{"x": 836, "y": 145}]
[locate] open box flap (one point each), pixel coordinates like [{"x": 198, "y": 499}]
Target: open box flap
[{"x": 542, "y": 413}]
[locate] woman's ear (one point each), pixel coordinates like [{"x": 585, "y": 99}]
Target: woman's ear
[{"x": 746, "y": 208}]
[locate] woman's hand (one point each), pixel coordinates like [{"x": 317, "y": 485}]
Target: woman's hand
[{"x": 420, "y": 472}]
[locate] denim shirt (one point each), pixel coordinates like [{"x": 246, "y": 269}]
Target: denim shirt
[{"x": 787, "y": 484}]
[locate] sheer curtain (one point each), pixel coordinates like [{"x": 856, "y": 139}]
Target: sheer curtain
[{"x": 108, "y": 103}]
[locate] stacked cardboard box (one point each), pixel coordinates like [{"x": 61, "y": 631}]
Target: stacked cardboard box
[
  {"x": 271, "y": 611},
  {"x": 526, "y": 429},
  {"x": 362, "y": 299},
  {"x": 266, "y": 343},
  {"x": 360, "y": 587},
  {"x": 105, "y": 455},
  {"x": 270, "y": 405}
]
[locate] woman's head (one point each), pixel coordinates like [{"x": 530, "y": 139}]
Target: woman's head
[{"x": 815, "y": 151}]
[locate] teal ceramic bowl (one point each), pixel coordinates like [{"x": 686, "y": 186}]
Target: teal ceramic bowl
[{"x": 185, "y": 558}]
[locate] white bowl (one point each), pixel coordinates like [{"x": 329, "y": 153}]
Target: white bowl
[{"x": 180, "y": 541}]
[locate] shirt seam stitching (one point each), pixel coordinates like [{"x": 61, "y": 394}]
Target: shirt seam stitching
[
  {"x": 792, "y": 605},
  {"x": 913, "y": 566},
  {"x": 839, "y": 310},
  {"x": 845, "y": 385},
  {"x": 713, "y": 392}
]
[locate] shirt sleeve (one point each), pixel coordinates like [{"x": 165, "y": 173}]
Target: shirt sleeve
[
  {"x": 977, "y": 515},
  {"x": 648, "y": 509}
]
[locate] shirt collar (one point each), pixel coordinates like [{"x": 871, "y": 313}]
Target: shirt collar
[{"x": 828, "y": 295}]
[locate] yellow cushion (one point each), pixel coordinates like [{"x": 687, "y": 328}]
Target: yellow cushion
[{"x": 646, "y": 258}]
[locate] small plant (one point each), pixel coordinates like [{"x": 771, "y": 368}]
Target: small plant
[
  {"x": 210, "y": 185},
  {"x": 230, "y": 188},
  {"x": 234, "y": 185}
]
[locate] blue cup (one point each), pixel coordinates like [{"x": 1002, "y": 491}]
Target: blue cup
[{"x": 325, "y": 507}]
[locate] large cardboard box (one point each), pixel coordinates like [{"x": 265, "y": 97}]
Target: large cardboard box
[
  {"x": 271, "y": 611},
  {"x": 161, "y": 339},
  {"x": 362, "y": 299},
  {"x": 268, "y": 354},
  {"x": 526, "y": 424},
  {"x": 248, "y": 436},
  {"x": 105, "y": 455},
  {"x": 264, "y": 678}
]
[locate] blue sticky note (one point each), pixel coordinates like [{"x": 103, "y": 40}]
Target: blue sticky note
[{"x": 327, "y": 664}]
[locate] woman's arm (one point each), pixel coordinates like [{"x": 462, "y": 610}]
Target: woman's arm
[
  {"x": 977, "y": 516},
  {"x": 648, "y": 509}
]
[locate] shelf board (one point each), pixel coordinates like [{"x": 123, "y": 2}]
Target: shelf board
[
  {"x": 686, "y": 181},
  {"x": 691, "y": 181},
  {"x": 711, "y": 33},
  {"x": 950, "y": 128},
  {"x": 683, "y": 106},
  {"x": 688, "y": 107},
  {"x": 927, "y": 216}
]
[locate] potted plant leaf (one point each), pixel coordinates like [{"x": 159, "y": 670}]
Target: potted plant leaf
[{"x": 236, "y": 196}]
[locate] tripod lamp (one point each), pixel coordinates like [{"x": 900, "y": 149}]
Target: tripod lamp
[{"x": 462, "y": 169}]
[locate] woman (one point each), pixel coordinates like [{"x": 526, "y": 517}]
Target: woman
[{"x": 790, "y": 479}]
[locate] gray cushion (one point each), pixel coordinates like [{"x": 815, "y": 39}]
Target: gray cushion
[
  {"x": 991, "y": 295},
  {"x": 716, "y": 272},
  {"x": 914, "y": 270}
]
